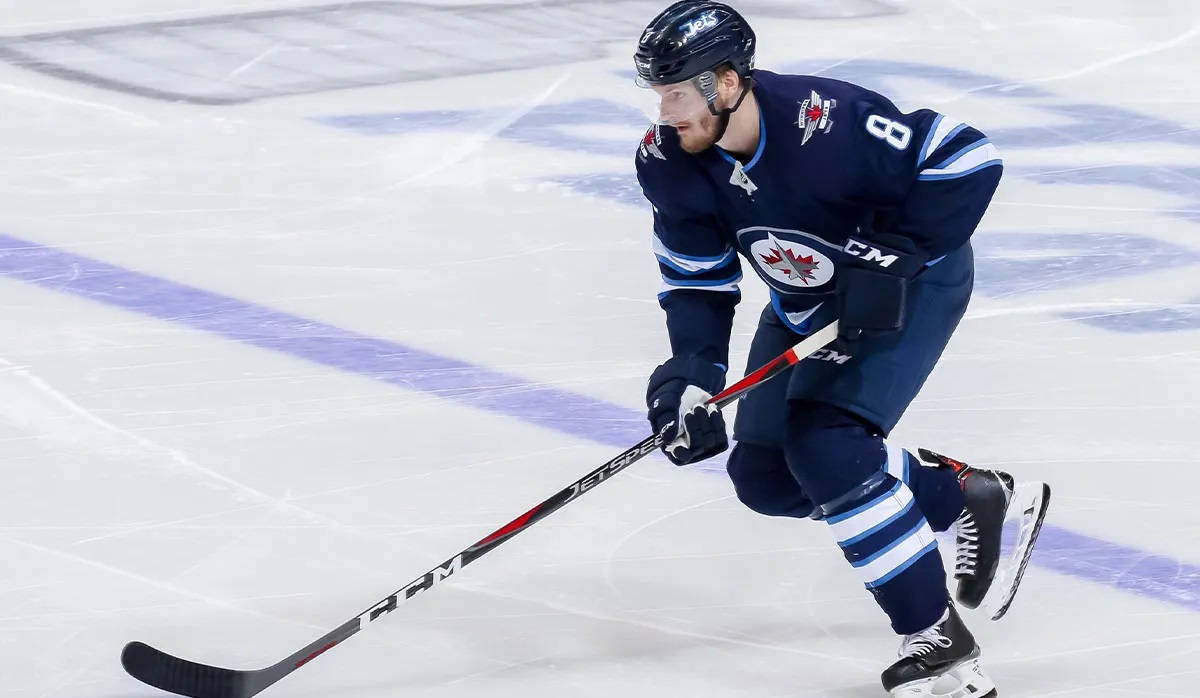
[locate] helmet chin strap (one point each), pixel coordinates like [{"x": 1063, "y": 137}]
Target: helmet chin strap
[
  {"x": 712, "y": 106},
  {"x": 723, "y": 114},
  {"x": 722, "y": 124}
]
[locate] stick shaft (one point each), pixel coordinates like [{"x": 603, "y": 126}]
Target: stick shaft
[
  {"x": 202, "y": 681},
  {"x": 427, "y": 581}
]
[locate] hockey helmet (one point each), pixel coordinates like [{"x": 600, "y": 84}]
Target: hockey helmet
[{"x": 683, "y": 46}]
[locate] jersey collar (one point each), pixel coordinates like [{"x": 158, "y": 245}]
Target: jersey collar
[{"x": 762, "y": 140}]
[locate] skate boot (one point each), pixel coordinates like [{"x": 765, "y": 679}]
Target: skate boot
[
  {"x": 991, "y": 497},
  {"x": 941, "y": 661}
]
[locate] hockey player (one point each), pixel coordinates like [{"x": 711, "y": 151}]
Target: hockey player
[{"x": 848, "y": 209}]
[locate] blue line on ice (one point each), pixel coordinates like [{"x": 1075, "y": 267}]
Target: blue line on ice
[{"x": 1059, "y": 549}]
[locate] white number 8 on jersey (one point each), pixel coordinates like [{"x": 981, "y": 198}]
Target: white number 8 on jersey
[{"x": 896, "y": 134}]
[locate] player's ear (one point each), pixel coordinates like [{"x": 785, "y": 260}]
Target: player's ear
[{"x": 729, "y": 81}]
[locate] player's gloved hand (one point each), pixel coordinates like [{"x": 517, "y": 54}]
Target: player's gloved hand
[
  {"x": 675, "y": 397},
  {"x": 872, "y": 285}
]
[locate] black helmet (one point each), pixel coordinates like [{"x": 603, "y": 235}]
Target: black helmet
[{"x": 691, "y": 37}]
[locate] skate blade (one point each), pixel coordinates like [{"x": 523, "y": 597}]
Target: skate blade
[
  {"x": 966, "y": 680},
  {"x": 1029, "y": 504}
]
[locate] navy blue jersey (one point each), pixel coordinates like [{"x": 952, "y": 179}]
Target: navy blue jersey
[{"x": 833, "y": 159}]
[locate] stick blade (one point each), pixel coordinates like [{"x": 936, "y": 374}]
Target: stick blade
[{"x": 180, "y": 676}]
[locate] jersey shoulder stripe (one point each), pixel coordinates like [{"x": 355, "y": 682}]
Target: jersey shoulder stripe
[
  {"x": 943, "y": 130},
  {"x": 968, "y": 160}
]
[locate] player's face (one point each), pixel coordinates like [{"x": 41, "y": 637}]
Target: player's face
[
  {"x": 684, "y": 106},
  {"x": 678, "y": 103},
  {"x": 699, "y": 133}
]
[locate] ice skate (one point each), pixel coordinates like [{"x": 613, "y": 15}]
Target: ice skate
[
  {"x": 985, "y": 577},
  {"x": 939, "y": 662}
]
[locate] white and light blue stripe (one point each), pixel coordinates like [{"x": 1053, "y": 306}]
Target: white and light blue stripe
[
  {"x": 972, "y": 158},
  {"x": 897, "y": 463},
  {"x": 889, "y": 563},
  {"x": 881, "y": 525},
  {"x": 727, "y": 285},
  {"x": 887, "y": 507},
  {"x": 940, "y": 133},
  {"x": 859, "y": 524},
  {"x": 690, "y": 264}
]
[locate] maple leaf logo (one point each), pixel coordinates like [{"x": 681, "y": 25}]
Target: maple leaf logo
[
  {"x": 815, "y": 116},
  {"x": 793, "y": 266},
  {"x": 650, "y": 143}
]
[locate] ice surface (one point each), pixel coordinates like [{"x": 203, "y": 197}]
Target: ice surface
[{"x": 262, "y": 363}]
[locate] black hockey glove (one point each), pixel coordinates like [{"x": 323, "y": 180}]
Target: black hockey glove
[
  {"x": 675, "y": 397},
  {"x": 872, "y": 285}
]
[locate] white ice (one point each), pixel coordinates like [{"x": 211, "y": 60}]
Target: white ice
[{"x": 229, "y": 504}]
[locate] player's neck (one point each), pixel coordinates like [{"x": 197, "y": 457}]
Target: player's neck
[{"x": 742, "y": 134}]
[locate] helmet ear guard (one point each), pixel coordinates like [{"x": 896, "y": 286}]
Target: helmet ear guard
[{"x": 710, "y": 91}]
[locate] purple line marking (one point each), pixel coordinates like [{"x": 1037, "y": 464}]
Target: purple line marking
[
  {"x": 1061, "y": 550},
  {"x": 1129, "y": 569},
  {"x": 317, "y": 342}
]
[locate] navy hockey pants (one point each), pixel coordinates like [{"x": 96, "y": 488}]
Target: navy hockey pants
[{"x": 816, "y": 439}]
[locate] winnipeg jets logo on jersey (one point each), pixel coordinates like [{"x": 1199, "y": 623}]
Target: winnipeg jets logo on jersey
[
  {"x": 650, "y": 144},
  {"x": 791, "y": 263},
  {"x": 814, "y": 116},
  {"x": 793, "y": 266}
]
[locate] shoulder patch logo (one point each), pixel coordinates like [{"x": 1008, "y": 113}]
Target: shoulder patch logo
[
  {"x": 814, "y": 116},
  {"x": 650, "y": 144}
]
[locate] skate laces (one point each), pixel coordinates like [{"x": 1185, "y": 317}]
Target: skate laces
[
  {"x": 924, "y": 642},
  {"x": 967, "y": 548}
]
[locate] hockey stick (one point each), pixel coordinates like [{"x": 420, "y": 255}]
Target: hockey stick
[{"x": 187, "y": 678}]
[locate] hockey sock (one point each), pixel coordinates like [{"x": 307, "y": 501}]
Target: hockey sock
[
  {"x": 874, "y": 516},
  {"x": 936, "y": 490},
  {"x": 885, "y": 537}
]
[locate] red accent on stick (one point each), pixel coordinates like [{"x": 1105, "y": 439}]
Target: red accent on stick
[
  {"x": 511, "y": 527},
  {"x": 787, "y": 359},
  {"x": 314, "y": 655}
]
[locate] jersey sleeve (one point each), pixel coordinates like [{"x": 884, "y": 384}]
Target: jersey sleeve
[
  {"x": 932, "y": 175},
  {"x": 699, "y": 267}
]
